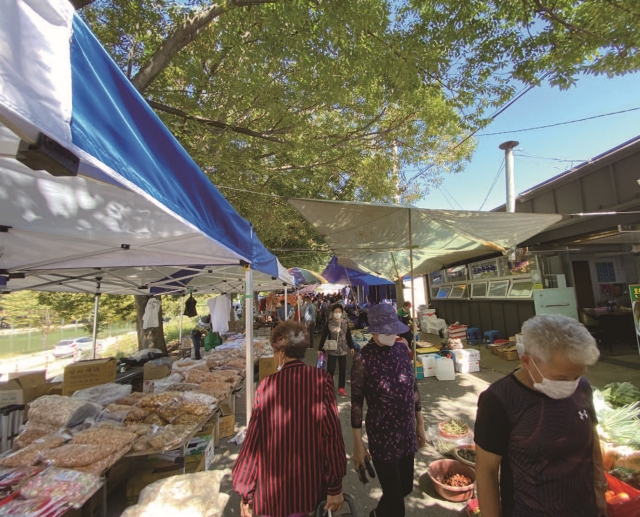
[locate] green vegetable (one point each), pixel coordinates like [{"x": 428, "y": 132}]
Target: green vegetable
[
  {"x": 621, "y": 426},
  {"x": 620, "y": 394}
]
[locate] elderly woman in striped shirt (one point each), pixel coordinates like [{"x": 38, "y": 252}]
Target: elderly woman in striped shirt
[{"x": 293, "y": 455}]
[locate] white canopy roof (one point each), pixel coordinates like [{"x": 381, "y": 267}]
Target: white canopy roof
[{"x": 376, "y": 237}]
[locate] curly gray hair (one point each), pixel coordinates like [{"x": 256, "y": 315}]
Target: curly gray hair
[{"x": 548, "y": 335}]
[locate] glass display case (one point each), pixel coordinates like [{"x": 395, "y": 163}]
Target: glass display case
[
  {"x": 443, "y": 292},
  {"x": 522, "y": 266},
  {"x": 437, "y": 277},
  {"x": 479, "y": 290},
  {"x": 521, "y": 289},
  {"x": 459, "y": 291},
  {"x": 485, "y": 269},
  {"x": 457, "y": 274},
  {"x": 498, "y": 289}
]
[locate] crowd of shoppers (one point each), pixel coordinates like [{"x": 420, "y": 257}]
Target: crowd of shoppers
[{"x": 538, "y": 452}]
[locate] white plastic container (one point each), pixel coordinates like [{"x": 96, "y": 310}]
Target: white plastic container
[
  {"x": 428, "y": 365},
  {"x": 445, "y": 370},
  {"x": 466, "y": 360}
]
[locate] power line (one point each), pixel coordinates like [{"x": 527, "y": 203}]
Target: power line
[
  {"x": 445, "y": 196},
  {"x": 561, "y": 123},
  {"x": 495, "y": 180},
  {"x": 451, "y": 196},
  {"x": 528, "y": 155}
]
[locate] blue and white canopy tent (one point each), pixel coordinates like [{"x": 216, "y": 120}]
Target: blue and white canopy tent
[{"x": 96, "y": 195}]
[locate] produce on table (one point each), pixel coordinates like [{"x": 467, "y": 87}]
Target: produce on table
[
  {"x": 453, "y": 427},
  {"x": 467, "y": 454},
  {"x": 621, "y": 426},
  {"x": 620, "y": 394},
  {"x": 628, "y": 476}
]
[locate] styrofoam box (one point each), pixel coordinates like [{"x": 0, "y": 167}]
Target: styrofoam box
[
  {"x": 465, "y": 355},
  {"x": 468, "y": 367}
]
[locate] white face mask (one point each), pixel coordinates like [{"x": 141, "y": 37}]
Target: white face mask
[
  {"x": 337, "y": 315},
  {"x": 387, "y": 339},
  {"x": 554, "y": 389}
]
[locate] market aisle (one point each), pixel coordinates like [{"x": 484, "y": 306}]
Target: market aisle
[{"x": 440, "y": 400}]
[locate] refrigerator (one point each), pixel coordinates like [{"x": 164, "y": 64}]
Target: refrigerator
[{"x": 560, "y": 300}]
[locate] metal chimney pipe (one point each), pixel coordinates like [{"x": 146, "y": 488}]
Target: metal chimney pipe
[{"x": 508, "y": 147}]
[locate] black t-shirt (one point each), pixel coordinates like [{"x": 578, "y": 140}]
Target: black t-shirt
[{"x": 546, "y": 447}]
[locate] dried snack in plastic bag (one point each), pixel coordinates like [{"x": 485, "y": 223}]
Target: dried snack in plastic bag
[
  {"x": 194, "y": 408},
  {"x": 10, "y": 477},
  {"x": 185, "y": 365},
  {"x": 109, "y": 424},
  {"x": 170, "y": 411},
  {"x": 74, "y": 455},
  {"x": 154, "y": 400},
  {"x": 141, "y": 443},
  {"x": 110, "y": 440},
  {"x": 184, "y": 487},
  {"x": 132, "y": 399},
  {"x": 228, "y": 376},
  {"x": 155, "y": 419},
  {"x": 72, "y": 486},
  {"x": 186, "y": 419},
  {"x": 184, "y": 386},
  {"x": 32, "y": 431},
  {"x": 169, "y": 437},
  {"x": 161, "y": 385},
  {"x": 138, "y": 429},
  {"x": 103, "y": 394},
  {"x": 105, "y": 463},
  {"x": 194, "y": 376},
  {"x": 62, "y": 411},
  {"x": 201, "y": 398},
  {"x": 30, "y": 455}
]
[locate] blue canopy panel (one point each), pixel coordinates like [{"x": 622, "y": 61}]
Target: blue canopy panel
[
  {"x": 113, "y": 123},
  {"x": 337, "y": 274}
]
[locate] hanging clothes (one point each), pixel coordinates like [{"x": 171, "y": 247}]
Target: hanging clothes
[
  {"x": 219, "y": 308},
  {"x": 151, "y": 313},
  {"x": 190, "y": 307}
]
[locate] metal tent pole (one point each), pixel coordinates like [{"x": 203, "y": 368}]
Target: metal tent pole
[
  {"x": 413, "y": 303},
  {"x": 285, "y": 303},
  {"x": 181, "y": 315},
  {"x": 248, "y": 320},
  {"x": 95, "y": 323}
]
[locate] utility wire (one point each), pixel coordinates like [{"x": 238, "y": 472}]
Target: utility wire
[
  {"x": 451, "y": 196},
  {"x": 495, "y": 180},
  {"x": 561, "y": 123},
  {"x": 529, "y": 155},
  {"x": 445, "y": 196}
]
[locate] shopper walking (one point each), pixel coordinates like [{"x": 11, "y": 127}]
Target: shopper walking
[
  {"x": 538, "y": 452},
  {"x": 404, "y": 314},
  {"x": 382, "y": 374},
  {"x": 293, "y": 455},
  {"x": 309, "y": 316},
  {"x": 337, "y": 342}
]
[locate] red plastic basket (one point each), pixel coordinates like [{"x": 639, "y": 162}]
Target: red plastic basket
[{"x": 630, "y": 508}]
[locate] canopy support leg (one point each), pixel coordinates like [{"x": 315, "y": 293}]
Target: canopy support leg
[
  {"x": 413, "y": 301},
  {"x": 248, "y": 320},
  {"x": 181, "y": 315},
  {"x": 285, "y": 303},
  {"x": 95, "y": 323}
]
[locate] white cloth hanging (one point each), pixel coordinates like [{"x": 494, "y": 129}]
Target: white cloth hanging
[
  {"x": 151, "y": 313},
  {"x": 219, "y": 308}
]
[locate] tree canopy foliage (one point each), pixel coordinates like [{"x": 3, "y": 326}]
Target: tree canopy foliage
[{"x": 308, "y": 98}]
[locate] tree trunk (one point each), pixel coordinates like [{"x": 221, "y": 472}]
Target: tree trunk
[{"x": 151, "y": 337}]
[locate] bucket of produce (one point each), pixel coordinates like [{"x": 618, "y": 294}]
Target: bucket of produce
[
  {"x": 453, "y": 429},
  {"x": 622, "y": 500},
  {"x": 466, "y": 454},
  {"x": 452, "y": 480}
]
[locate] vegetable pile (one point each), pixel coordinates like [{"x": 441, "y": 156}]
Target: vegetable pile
[
  {"x": 619, "y": 394},
  {"x": 453, "y": 427},
  {"x": 467, "y": 454},
  {"x": 455, "y": 480},
  {"x": 628, "y": 476},
  {"x": 621, "y": 426}
]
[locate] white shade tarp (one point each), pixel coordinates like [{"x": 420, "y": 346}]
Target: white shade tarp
[{"x": 376, "y": 238}]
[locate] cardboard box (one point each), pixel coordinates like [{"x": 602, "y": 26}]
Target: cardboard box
[
  {"x": 266, "y": 367},
  {"x": 33, "y": 384},
  {"x": 85, "y": 374},
  {"x": 228, "y": 405},
  {"x": 11, "y": 393},
  {"x": 226, "y": 426},
  {"x": 152, "y": 371}
]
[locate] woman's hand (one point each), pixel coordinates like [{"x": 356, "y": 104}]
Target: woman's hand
[
  {"x": 352, "y": 351},
  {"x": 359, "y": 454},
  {"x": 334, "y": 503},
  {"x": 422, "y": 438},
  {"x": 245, "y": 509}
]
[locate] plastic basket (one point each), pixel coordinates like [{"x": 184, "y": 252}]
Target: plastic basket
[{"x": 630, "y": 508}]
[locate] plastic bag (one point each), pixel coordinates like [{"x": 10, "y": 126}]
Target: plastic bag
[
  {"x": 446, "y": 445},
  {"x": 69, "y": 485},
  {"x": 187, "y": 364},
  {"x": 161, "y": 385},
  {"x": 103, "y": 394},
  {"x": 62, "y": 411}
]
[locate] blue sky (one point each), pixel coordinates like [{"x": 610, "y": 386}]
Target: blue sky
[{"x": 542, "y": 106}]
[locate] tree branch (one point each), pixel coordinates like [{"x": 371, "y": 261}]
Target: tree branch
[
  {"x": 264, "y": 135},
  {"x": 79, "y": 4},
  {"x": 184, "y": 34},
  {"x": 549, "y": 12}
]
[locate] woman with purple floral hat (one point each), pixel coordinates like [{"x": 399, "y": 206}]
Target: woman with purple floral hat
[{"x": 382, "y": 374}]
